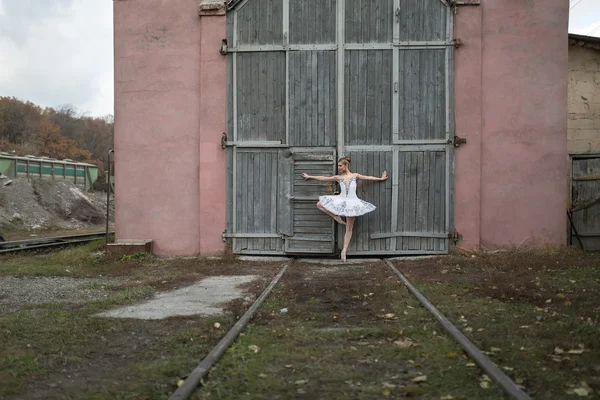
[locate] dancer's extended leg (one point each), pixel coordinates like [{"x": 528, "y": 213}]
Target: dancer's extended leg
[
  {"x": 337, "y": 218},
  {"x": 347, "y": 236}
]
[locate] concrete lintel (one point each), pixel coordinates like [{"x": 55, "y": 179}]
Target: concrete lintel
[{"x": 209, "y": 8}]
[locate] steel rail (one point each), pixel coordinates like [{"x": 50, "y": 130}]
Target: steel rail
[
  {"x": 507, "y": 385},
  {"x": 188, "y": 387},
  {"x": 48, "y": 242}
]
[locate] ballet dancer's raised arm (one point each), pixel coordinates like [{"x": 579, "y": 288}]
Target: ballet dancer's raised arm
[
  {"x": 372, "y": 178},
  {"x": 321, "y": 178}
]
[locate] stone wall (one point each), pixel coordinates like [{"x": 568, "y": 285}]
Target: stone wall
[{"x": 584, "y": 100}]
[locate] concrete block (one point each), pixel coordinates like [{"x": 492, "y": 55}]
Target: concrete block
[
  {"x": 211, "y": 8},
  {"x": 581, "y": 123},
  {"x": 129, "y": 247},
  {"x": 578, "y": 108}
]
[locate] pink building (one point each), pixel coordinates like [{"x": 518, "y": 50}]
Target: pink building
[{"x": 220, "y": 107}]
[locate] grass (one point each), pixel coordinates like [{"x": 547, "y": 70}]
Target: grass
[
  {"x": 361, "y": 338},
  {"x": 536, "y": 313},
  {"x": 350, "y": 332},
  {"x": 59, "y": 350}
]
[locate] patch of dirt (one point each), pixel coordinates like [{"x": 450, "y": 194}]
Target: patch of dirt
[
  {"x": 39, "y": 205},
  {"x": 350, "y": 294},
  {"x": 531, "y": 276}
]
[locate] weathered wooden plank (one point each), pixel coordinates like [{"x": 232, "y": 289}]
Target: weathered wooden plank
[
  {"x": 421, "y": 206},
  {"x": 267, "y": 14},
  {"x": 423, "y": 20},
  {"x": 285, "y": 212},
  {"x": 369, "y": 21},
  {"x": 440, "y": 201}
]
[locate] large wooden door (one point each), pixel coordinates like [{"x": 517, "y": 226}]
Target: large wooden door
[
  {"x": 312, "y": 80},
  {"x": 585, "y": 200}
]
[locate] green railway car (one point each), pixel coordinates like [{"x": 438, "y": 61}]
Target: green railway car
[{"x": 48, "y": 168}]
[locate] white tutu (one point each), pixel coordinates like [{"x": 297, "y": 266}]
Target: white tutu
[{"x": 346, "y": 204}]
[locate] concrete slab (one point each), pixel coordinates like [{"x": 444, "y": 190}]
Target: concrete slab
[
  {"x": 338, "y": 262},
  {"x": 203, "y": 298},
  {"x": 263, "y": 258}
]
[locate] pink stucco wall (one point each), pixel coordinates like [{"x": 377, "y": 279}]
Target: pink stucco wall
[
  {"x": 510, "y": 185},
  {"x": 169, "y": 116},
  {"x": 510, "y": 104}
]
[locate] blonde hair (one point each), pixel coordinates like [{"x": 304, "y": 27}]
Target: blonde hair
[{"x": 345, "y": 160}]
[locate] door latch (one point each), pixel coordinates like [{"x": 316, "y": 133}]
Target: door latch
[{"x": 224, "y": 141}]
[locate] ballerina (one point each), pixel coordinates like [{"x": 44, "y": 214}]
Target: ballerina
[{"x": 346, "y": 204}]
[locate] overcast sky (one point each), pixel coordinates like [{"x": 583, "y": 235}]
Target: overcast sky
[{"x": 55, "y": 52}]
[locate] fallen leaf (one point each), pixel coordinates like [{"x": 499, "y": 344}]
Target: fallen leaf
[
  {"x": 301, "y": 382},
  {"x": 254, "y": 348},
  {"x": 572, "y": 281},
  {"x": 560, "y": 296},
  {"x": 548, "y": 301},
  {"x": 468, "y": 329},
  {"x": 288, "y": 365},
  {"x": 404, "y": 343},
  {"x": 568, "y": 303},
  {"x": 217, "y": 325},
  {"x": 558, "y": 350},
  {"x": 484, "y": 384},
  {"x": 180, "y": 382},
  {"x": 581, "y": 392},
  {"x": 484, "y": 377},
  {"x": 480, "y": 330},
  {"x": 576, "y": 351},
  {"x": 470, "y": 364},
  {"x": 386, "y": 393},
  {"x": 420, "y": 379},
  {"x": 388, "y": 385},
  {"x": 262, "y": 375},
  {"x": 508, "y": 368},
  {"x": 389, "y": 316},
  {"x": 451, "y": 355},
  {"x": 495, "y": 349}
]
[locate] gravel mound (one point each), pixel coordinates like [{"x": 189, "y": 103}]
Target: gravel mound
[{"x": 35, "y": 204}]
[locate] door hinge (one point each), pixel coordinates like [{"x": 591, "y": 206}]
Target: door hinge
[
  {"x": 224, "y": 141},
  {"x": 457, "y": 43},
  {"x": 223, "y": 49},
  {"x": 455, "y": 236},
  {"x": 224, "y": 235},
  {"x": 458, "y": 141}
]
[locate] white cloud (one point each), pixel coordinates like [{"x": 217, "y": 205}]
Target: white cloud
[
  {"x": 61, "y": 53},
  {"x": 584, "y": 17}
]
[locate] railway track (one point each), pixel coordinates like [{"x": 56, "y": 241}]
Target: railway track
[
  {"x": 49, "y": 242},
  {"x": 194, "y": 379}
]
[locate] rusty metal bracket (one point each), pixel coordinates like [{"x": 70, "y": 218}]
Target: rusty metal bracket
[
  {"x": 224, "y": 141},
  {"x": 455, "y": 236},
  {"x": 223, "y": 49},
  {"x": 458, "y": 141},
  {"x": 457, "y": 43}
]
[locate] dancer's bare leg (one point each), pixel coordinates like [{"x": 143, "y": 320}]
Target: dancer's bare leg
[
  {"x": 337, "y": 218},
  {"x": 347, "y": 236}
]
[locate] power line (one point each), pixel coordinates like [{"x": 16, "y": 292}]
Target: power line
[
  {"x": 575, "y": 5},
  {"x": 594, "y": 31}
]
